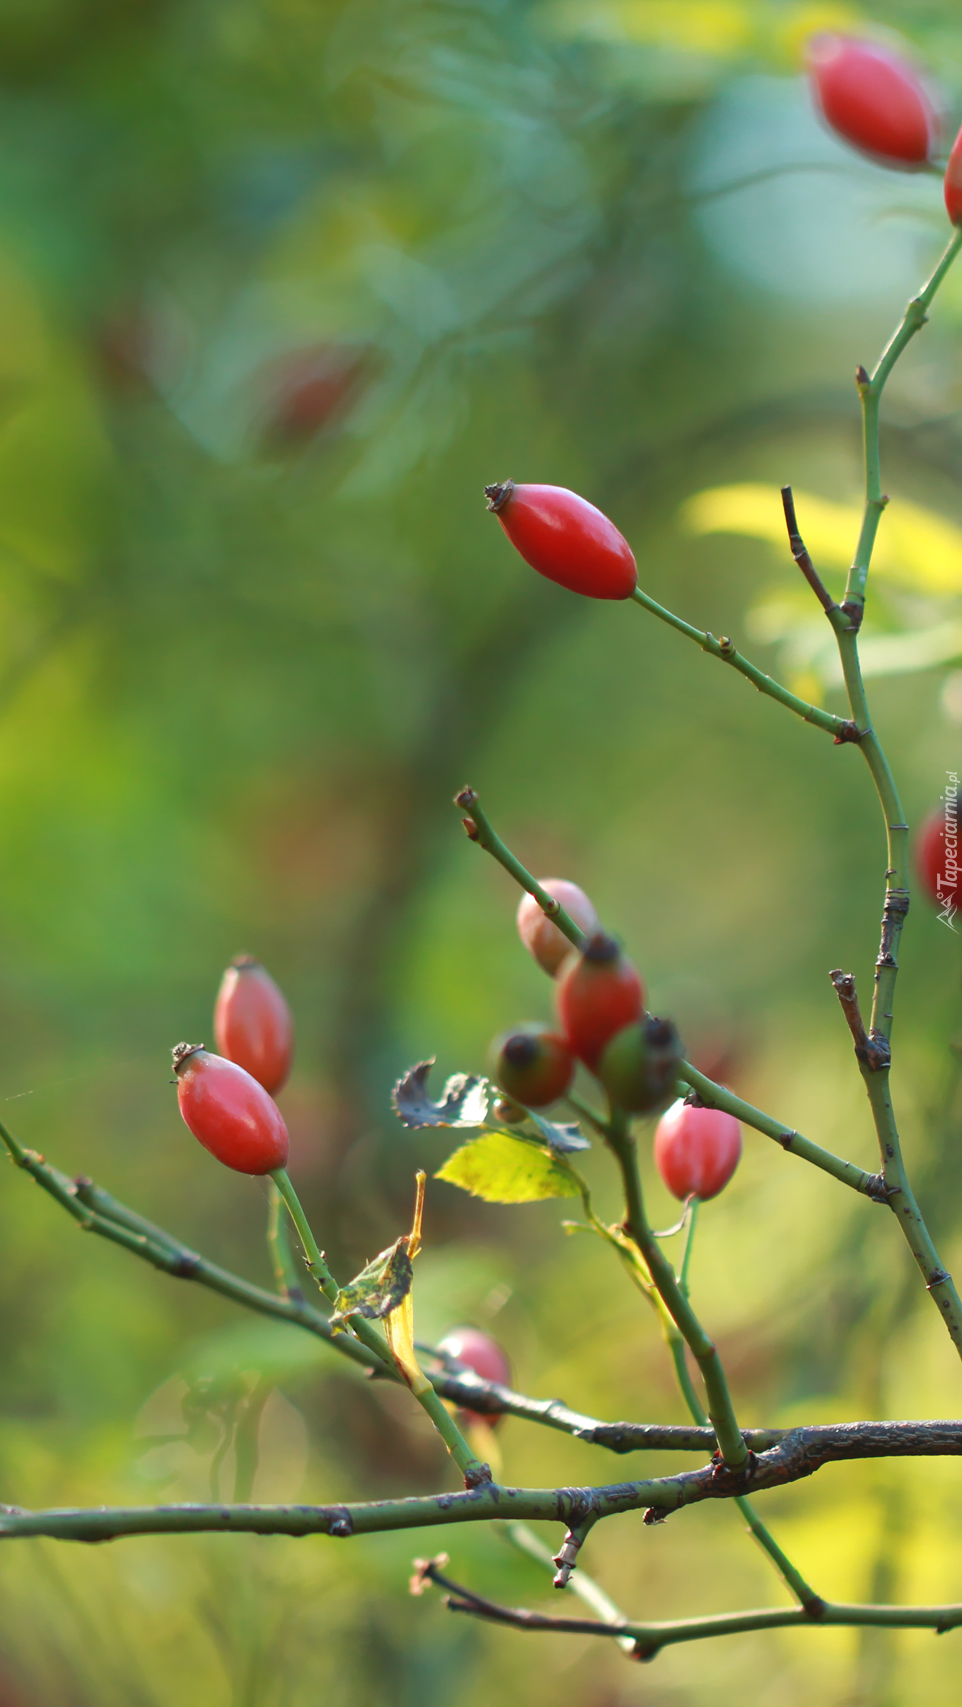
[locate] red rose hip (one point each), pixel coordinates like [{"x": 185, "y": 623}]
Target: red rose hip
[
  {"x": 543, "y": 939},
  {"x": 533, "y": 1065},
  {"x": 253, "y": 1024},
  {"x": 598, "y": 993},
  {"x": 482, "y": 1354},
  {"x": 937, "y": 854},
  {"x": 873, "y": 98},
  {"x": 565, "y": 538},
  {"x": 229, "y": 1112},
  {"x": 697, "y": 1150},
  {"x": 953, "y": 182}
]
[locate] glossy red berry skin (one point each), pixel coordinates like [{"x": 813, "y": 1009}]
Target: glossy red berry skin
[
  {"x": 541, "y": 938},
  {"x": 229, "y": 1112},
  {"x": 533, "y": 1065},
  {"x": 873, "y": 99},
  {"x": 953, "y": 182},
  {"x": 482, "y": 1354},
  {"x": 253, "y": 1024},
  {"x": 566, "y": 539},
  {"x": 937, "y": 855},
  {"x": 697, "y": 1150},
  {"x": 597, "y": 993}
]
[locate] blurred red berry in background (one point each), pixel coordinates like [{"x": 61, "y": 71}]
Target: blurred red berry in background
[
  {"x": 253, "y": 1024},
  {"x": 873, "y": 98}
]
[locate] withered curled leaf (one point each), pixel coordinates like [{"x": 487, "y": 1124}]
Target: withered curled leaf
[
  {"x": 379, "y": 1288},
  {"x": 464, "y": 1100}
]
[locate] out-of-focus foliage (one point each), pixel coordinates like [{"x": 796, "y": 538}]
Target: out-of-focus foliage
[{"x": 283, "y": 283}]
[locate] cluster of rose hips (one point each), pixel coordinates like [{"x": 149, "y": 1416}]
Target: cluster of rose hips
[
  {"x": 600, "y": 1004},
  {"x": 227, "y": 1100}
]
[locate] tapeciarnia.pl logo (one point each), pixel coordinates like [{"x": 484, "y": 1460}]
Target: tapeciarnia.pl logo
[{"x": 947, "y": 881}]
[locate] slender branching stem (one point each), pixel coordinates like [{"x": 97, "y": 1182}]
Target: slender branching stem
[
  {"x": 524, "y": 1540},
  {"x": 286, "y": 1276},
  {"x": 422, "y": 1389},
  {"x": 766, "y": 1540},
  {"x": 902, "y": 1200},
  {"x": 649, "y": 1638},
  {"x": 871, "y": 387},
  {"x": 479, "y": 829},
  {"x": 718, "y": 1096},
  {"x": 874, "y": 1055},
  {"x": 316, "y": 1262},
  {"x": 724, "y": 649},
  {"x": 720, "y": 1410},
  {"x": 317, "y": 1266},
  {"x": 689, "y": 1244}
]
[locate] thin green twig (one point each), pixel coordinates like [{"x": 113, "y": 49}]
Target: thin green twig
[
  {"x": 648, "y": 1639},
  {"x": 875, "y": 1059},
  {"x": 724, "y": 649},
  {"x": 524, "y": 1540},
  {"x": 689, "y": 1244},
  {"x": 286, "y": 1276},
  {"x": 720, "y": 1409}
]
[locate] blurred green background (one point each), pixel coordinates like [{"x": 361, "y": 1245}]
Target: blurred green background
[{"x": 283, "y": 284}]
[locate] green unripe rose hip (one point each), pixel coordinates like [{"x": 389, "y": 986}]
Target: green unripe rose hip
[{"x": 639, "y": 1067}]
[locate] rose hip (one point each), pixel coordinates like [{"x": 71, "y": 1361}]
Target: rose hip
[
  {"x": 639, "y": 1067},
  {"x": 873, "y": 98},
  {"x": 598, "y": 993},
  {"x": 482, "y": 1354},
  {"x": 229, "y": 1112},
  {"x": 937, "y": 854},
  {"x": 565, "y": 538},
  {"x": 953, "y": 182},
  {"x": 543, "y": 939},
  {"x": 532, "y": 1064},
  {"x": 253, "y": 1024},
  {"x": 697, "y": 1150}
]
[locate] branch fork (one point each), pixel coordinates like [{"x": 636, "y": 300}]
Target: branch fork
[{"x": 873, "y": 1052}]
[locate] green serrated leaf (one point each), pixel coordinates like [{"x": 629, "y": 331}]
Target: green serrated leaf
[
  {"x": 379, "y": 1288},
  {"x": 503, "y": 1169}
]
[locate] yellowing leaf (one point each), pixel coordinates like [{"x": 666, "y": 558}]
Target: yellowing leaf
[
  {"x": 502, "y": 1169},
  {"x": 399, "y": 1327},
  {"x": 915, "y": 547}
]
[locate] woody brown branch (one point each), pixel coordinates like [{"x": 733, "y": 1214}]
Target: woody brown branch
[{"x": 798, "y": 1455}]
